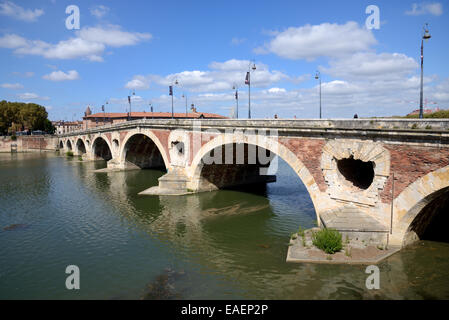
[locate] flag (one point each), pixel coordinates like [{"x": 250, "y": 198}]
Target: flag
[
  {"x": 247, "y": 78},
  {"x": 102, "y": 108},
  {"x": 170, "y": 90},
  {"x": 236, "y": 95},
  {"x": 129, "y": 99}
]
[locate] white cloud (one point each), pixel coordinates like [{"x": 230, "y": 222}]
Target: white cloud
[
  {"x": 12, "y": 10},
  {"x": 99, "y": 11},
  {"x": 368, "y": 65},
  {"x": 90, "y": 43},
  {"x": 31, "y": 96},
  {"x": 237, "y": 41},
  {"x": 12, "y": 86},
  {"x": 325, "y": 40},
  {"x": 221, "y": 76},
  {"x": 434, "y": 8},
  {"x": 12, "y": 41},
  {"x": 62, "y": 76}
]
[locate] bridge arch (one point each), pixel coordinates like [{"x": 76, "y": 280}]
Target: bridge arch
[
  {"x": 148, "y": 141},
  {"x": 101, "y": 148},
  {"x": 69, "y": 145},
  {"x": 61, "y": 145},
  {"x": 80, "y": 147},
  {"x": 413, "y": 204},
  {"x": 274, "y": 147}
]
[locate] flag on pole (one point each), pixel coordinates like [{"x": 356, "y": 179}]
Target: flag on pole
[
  {"x": 102, "y": 108},
  {"x": 129, "y": 99},
  {"x": 170, "y": 90},
  {"x": 236, "y": 95},
  {"x": 247, "y": 78}
]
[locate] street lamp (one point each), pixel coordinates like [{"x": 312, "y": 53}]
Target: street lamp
[
  {"x": 234, "y": 87},
  {"x": 151, "y": 110},
  {"x": 318, "y": 76},
  {"x": 185, "y": 96},
  {"x": 426, "y": 36},
  {"x": 248, "y": 82},
  {"x": 104, "y": 114},
  {"x": 129, "y": 101},
  {"x": 171, "y": 93}
]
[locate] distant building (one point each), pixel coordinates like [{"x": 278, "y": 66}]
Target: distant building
[
  {"x": 101, "y": 119},
  {"x": 67, "y": 126},
  {"x": 425, "y": 111}
]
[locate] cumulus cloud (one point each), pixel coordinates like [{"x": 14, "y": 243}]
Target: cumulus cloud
[
  {"x": 31, "y": 96},
  {"x": 433, "y": 8},
  {"x": 369, "y": 65},
  {"x": 221, "y": 76},
  {"x": 89, "y": 43},
  {"x": 62, "y": 76},
  {"x": 99, "y": 11},
  {"x": 325, "y": 40},
  {"x": 11, "y": 86},
  {"x": 8, "y": 8}
]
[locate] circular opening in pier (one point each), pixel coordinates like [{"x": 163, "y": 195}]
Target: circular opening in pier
[{"x": 357, "y": 172}]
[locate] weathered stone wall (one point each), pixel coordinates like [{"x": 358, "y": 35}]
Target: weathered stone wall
[{"x": 29, "y": 143}]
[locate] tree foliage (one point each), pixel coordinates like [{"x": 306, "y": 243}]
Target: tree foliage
[{"x": 19, "y": 116}]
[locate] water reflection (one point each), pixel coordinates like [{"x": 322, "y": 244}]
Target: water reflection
[{"x": 227, "y": 244}]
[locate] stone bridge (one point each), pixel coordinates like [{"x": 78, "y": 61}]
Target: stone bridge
[{"x": 387, "y": 178}]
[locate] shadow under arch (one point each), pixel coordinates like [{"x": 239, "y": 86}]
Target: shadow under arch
[
  {"x": 101, "y": 149},
  {"x": 276, "y": 149},
  {"x": 61, "y": 145},
  {"x": 80, "y": 146},
  {"x": 69, "y": 145},
  {"x": 415, "y": 201},
  {"x": 143, "y": 150}
]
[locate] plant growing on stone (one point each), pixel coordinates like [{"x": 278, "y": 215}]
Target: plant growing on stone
[
  {"x": 328, "y": 240},
  {"x": 69, "y": 154}
]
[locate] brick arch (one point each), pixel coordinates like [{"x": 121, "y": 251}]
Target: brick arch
[
  {"x": 151, "y": 136},
  {"x": 76, "y": 145},
  {"x": 94, "y": 139},
  {"x": 414, "y": 198},
  {"x": 273, "y": 146}
]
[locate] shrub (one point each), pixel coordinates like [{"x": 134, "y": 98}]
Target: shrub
[
  {"x": 69, "y": 154},
  {"x": 328, "y": 240},
  {"x": 13, "y": 137}
]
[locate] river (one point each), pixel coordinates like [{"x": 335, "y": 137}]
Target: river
[{"x": 228, "y": 244}]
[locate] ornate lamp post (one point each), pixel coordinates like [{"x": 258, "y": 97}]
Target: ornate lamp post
[
  {"x": 236, "y": 99},
  {"x": 318, "y": 77},
  {"x": 426, "y": 36},
  {"x": 248, "y": 82},
  {"x": 171, "y": 93}
]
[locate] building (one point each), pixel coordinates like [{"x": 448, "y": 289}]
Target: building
[
  {"x": 67, "y": 126},
  {"x": 100, "y": 119}
]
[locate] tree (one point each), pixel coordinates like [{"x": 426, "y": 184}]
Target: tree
[{"x": 17, "y": 116}]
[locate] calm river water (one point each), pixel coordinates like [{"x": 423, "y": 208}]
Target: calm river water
[{"x": 216, "y": 245}]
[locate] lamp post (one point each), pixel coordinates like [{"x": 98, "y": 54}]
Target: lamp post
[
  {"x": 171, "y": 93},
  {"x": 129, "y": 101},
  {"x": 236, "y": 100},
  {"x": 426, "y": 36},
  {"x": 185, "y": 96},
  {"x": 248, "y": 82},
  {"x": 318, "y": 76},
  {"x": 151, "y": 110}
]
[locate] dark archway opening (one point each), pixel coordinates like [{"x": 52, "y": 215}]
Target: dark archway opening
[
  {"x": 101, "y": 149},
  {"x": 357, "y": 172},
  {"x": 433, "y": 220},
  {"x": 236, "y": 166},
  {"x": 80, "y": 146},
  {"x": 69, "y": 145},
  {"x": 142, "y": 152},
  {"x": 61, "y": 145}
]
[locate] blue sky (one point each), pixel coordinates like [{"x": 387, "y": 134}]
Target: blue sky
[{"x": 144, "y": 46}]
